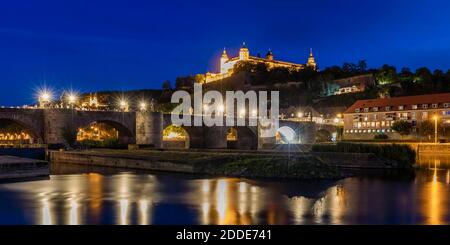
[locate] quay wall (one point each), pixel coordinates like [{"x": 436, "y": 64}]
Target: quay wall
[{"x": 118, "y": 162}]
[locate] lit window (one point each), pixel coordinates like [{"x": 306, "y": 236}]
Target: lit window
[
  {"x": 400, "y": 107},
  {"x": 357, "y": 110},
  {"x": 446, "y": 105},
  {"x": 388, "y": 108},
  {"x": 375, "y": 108},
  {"x": 434, "y": 105},
  {"x": 366, "y": 109},
  {"x": 425, "y": 106},
  {"x": 414, "y": 107}
]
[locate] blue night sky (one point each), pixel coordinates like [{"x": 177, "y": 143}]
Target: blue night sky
[{"x": 121, "y": 45}]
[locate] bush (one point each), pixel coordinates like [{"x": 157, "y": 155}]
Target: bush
[
  {"x": 107, "y": 143},
  {"x": 404, "y": 155},
  {"x": 381, "y": 137}
]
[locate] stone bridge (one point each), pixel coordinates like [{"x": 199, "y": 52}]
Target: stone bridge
[{"x": 146, "y": 128}]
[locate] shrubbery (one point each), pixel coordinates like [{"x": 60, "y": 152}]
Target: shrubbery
[
  {"x": 107, "y": 143},
  {"x": 381, "y": 137},
  {"x": 404, "y": 155}
]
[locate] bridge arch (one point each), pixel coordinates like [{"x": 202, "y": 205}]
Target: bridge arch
[
  {"x": 175, "y": 137},
  {"x": 18, "y": 131},
  {"x": 286, "y": 135},
  {"x": 124, "y": 134}
]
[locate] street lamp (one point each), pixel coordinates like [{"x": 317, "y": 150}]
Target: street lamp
[
  {"x": 72, "y": 98},
  {"x": 435, "y": 117},
  {"x": 44, "y": 96},
  {"x": 123, "y": 104},
  {"x": 143, "y": 106}
]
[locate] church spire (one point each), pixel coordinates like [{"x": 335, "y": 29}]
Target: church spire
[
  {"x": 311, "y": 61},
  {"x": 224, "y": 53}
]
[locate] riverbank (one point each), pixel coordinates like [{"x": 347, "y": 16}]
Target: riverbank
[
  {"x": 12, "y": 167},
  {"x": 298, "y": 166},
  {"x": 227, "y": 163}
]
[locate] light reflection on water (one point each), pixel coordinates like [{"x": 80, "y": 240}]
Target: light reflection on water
[{"x": 96, "y": 197}]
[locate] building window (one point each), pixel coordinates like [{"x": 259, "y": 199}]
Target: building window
[
  {"x": 375, "y": 117},
  {"x": 383, "y": 123},
  {"x": 357, "y": 110},
  {"x": 434, "y": 106},
  {"x": 424, "y": 115},
  {"x": 425, "y": 106},
  {"x": 446, "y": 105},
  {"x": 375, "y": 108},
  {"x": 400, "y": 107},
  {"x": 388, "y": 108},
  {"x": 366, "y": 109},
  {"x": 414, "y": 107}
]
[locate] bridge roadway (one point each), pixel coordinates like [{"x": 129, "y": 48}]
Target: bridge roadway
[{"x": 48, "y": 126}]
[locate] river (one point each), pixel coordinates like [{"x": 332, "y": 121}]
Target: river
[{"x": 89, "y": 195}]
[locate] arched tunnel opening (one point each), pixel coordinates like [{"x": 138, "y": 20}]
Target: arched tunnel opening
[
  {"x": 13, "y": 132},
  {"x": 104, "y": 134},
  {"x": 232, "y": 138},
  {"x": 175, "y": 137},
  {"x": 286, "y": 135}
]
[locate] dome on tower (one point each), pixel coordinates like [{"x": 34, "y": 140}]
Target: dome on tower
[{"x": 269, "y": 55}]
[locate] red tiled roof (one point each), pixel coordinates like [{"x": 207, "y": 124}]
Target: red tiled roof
[{"x": 406, "y": 101}]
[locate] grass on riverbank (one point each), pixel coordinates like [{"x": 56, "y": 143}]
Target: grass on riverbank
[
  {"x": 234, "y": 164},
  {"x": 404, "y": 155}
]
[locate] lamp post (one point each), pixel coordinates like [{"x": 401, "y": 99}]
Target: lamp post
[{"x": 435, "y": 128}]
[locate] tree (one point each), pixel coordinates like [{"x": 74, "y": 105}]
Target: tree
[
  {"x": 402, "y": 127},
  {"x": 186, "y": 82},
  {"x": 406, "y": 75},
  {"x": 386, "y": 74},
  {"x": 424, "y": 75},
  {"x": 362, "y": 66},
  {"x": 426, "y": 128},
  {"x": 166, "y": 85}
]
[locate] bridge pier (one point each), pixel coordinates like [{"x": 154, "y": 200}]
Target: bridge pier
[{"x": 149, "y": 128}]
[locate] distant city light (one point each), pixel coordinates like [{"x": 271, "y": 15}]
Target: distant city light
[
  {"x": 72, "y": 98},
  {"x": 242, "y": 112},
  {"x": 299, "y": 114},
  {"x": 221, "y": 108}
]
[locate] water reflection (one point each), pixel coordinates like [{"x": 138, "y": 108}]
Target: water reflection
[{"x": 128, "y": 198}]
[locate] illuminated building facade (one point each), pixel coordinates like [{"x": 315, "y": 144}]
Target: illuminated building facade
[
  {"x": 367, "y": 118},
  {"x": 227, "y": 64}
]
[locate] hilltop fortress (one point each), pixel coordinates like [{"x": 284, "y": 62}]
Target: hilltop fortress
[{"x": 227, "y": 64}]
